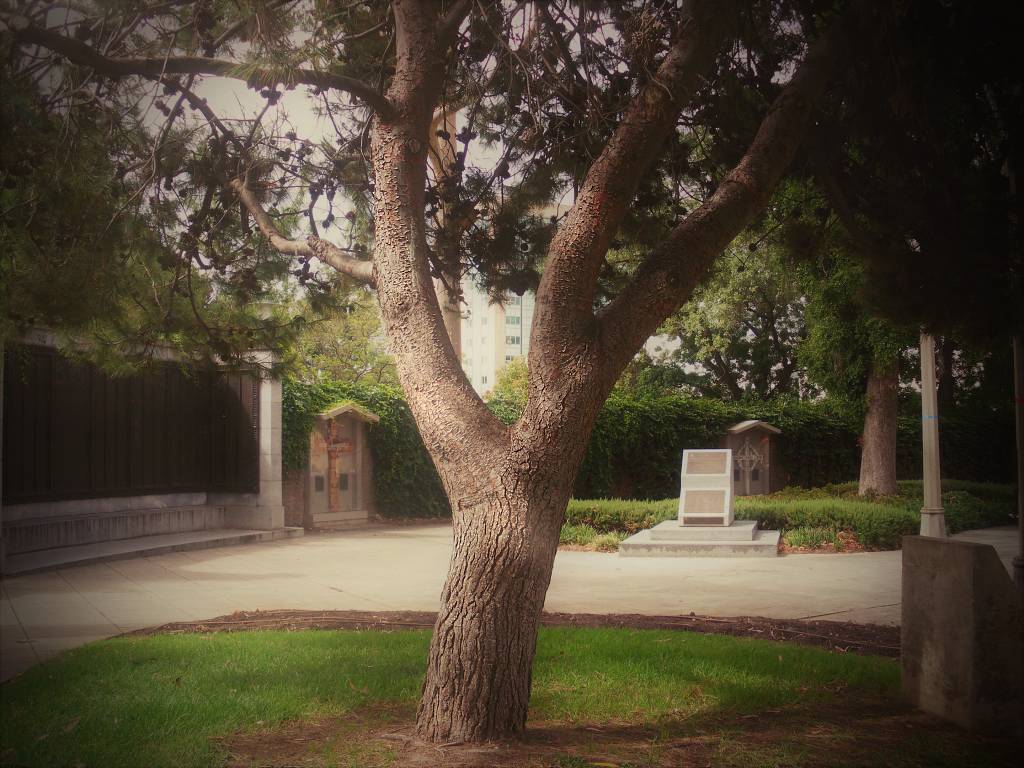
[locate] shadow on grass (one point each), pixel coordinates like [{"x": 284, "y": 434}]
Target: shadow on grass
[
  {"x": 348, "y": 698},
  {"x": 839, "y": 733}
]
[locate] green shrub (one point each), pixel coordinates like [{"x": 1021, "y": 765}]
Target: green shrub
[
  {"x": 812, "y": 538},
  {"x": 619, "y": 515},
  {"x": 966, "y": 512},
  {"x": 815, "y": 515},
  {"x": 577, "y": 535},
  {"x": 638, "y": 440},
  {"x": 607, "y": 542},
  {"x": 876, "y": 525},
  {"x": 583, "y": 535},
  {"x": 999, "y": 492}
]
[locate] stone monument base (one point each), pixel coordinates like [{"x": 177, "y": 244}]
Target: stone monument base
[{"x": 670, "y": 539}]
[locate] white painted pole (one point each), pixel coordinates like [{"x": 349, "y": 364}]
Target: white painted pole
[{"x": 933, "y": 516}]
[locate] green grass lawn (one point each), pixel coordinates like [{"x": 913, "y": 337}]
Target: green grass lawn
[{"x": 173, "y": 700}]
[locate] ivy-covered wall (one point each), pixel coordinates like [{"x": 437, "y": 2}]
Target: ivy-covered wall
[
  {"x": 406, "y": 482},
  {"x": 637, "y": 443},
  {"x": 638, "y": 440}
]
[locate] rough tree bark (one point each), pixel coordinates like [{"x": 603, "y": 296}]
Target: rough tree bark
[
  {"x": 878, "y": 452},
  {"x": 509, "y": 486}
]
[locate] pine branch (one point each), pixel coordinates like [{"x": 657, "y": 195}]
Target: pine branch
[
  {"x": 312, "y": 247},
  {"x": 80, "y": 53}
]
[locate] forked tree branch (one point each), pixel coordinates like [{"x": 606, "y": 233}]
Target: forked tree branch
[
  {"x": 312, "y": 247},
  {"x": 566, "y": 292},
  {"x": 155, "y": 66},
  {"x": 668, "y": 277}
]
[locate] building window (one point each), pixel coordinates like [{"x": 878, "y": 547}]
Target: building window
[
  {"x": 509, "y": 358},
  {"x": 515, "y": 301},
  {"x": 512, "y": 320},
  {"x": 483, "y": 379},
  {"x": 514, "y": 340}
]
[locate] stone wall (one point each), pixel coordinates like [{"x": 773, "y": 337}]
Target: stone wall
[{"x": 46, "y": 532}]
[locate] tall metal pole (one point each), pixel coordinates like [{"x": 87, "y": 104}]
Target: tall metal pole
[
  {"x": 933, "y": 516},
  {"x": 1018, "y": 395}
]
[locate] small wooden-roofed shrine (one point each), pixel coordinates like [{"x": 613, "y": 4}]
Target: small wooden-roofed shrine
[
  {"x": 339, "y": 486},
  {"x": 755, "y": 468}
]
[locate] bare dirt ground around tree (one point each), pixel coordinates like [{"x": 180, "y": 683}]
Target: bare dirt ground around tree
[
  {"x": 825, "y": 735},
  {"x": 837, "y": 636}
]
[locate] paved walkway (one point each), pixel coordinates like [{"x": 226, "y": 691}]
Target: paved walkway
[{"x": 402, "y": 568}]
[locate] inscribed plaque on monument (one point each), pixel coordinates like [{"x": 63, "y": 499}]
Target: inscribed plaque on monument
[
  {"x": 710, "y": 463},
  {"x": 705, "y": 494}
]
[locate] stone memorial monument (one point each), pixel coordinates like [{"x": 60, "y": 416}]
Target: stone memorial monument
[
  {"x": 705, "y": 492},
  {"x": 705, "y": 526}
]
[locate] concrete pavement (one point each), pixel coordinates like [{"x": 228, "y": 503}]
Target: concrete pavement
[{"x": 403, "y": 568}]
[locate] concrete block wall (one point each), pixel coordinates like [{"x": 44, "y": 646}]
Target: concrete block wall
[{"x": 962, "y": 635}]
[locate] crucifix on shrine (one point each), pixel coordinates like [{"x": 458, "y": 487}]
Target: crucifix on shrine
[{"x": 751, "y": 445}]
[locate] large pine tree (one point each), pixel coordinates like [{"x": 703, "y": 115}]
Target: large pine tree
[{"x": 664, "y": 126}]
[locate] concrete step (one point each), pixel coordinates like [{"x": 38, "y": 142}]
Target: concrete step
[
  {"x": 764, "y": 544},
  {"x": 44, "y": 533},
  {"x": 341, "y": 521},
  {"x": 143, "y": 546},
  {"x": 671, "y": 530}
]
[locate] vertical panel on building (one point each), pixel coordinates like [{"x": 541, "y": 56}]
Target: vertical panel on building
[{"x": 71, "y": 431}]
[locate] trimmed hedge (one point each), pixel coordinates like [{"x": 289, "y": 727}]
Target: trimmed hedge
[
  {"x": 876, "y": 526},
  {"x": 878, "y": 523},
  {"x": 638, "y": 441}
]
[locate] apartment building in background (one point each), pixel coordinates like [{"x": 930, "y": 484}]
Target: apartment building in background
[{"x": 493, "y": 334}]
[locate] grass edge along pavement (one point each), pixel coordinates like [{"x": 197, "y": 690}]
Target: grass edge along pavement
[
  {"x": 189, "y": 699},
  {"x": 832, "y": 517}
]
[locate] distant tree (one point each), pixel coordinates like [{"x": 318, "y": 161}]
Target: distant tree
[
  {"x": 661, "y": 374},
  {"x": 84, "y": 254},
  {"x": 345, "y": 342},
  {"x": 743, "y": 324},
  {"x": 511, "y": 384},
  {"x": 855, "y": 354}
]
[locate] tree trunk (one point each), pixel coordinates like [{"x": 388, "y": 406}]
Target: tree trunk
[
  {"x": 509, "y": 486},
  {"x": 878, "y": 453},
  {"x": 479, "y": 672}
]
